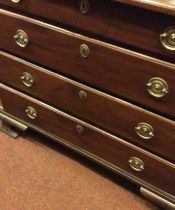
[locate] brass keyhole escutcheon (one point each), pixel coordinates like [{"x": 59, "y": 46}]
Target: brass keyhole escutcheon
[
  {"x": 31, "y": 112},
  {"x": 84, "y": 6},
  {"x": 167, "y": 39},
  {"x": 145, "y": 131},
  {"x": 21, "y": 38},
  {"x": 16, "y": 1},
  {"x": 84, "y": 50},
  {"x": 27, "y": 79},
  {"x": 157, "y": 87},
  {"x": 136, "y": 164},
  {"x": 83, "y": 96},
  {"x": 79, "y": 129}
]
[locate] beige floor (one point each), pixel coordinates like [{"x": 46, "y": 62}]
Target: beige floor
[{"x": 38, "y": 174}]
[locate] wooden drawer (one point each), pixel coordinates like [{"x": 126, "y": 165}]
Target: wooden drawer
[
  {"x": 123, "y": 24},
  {"x": 112, "y": 114},
  {"x": 107, "y": 67},
  {"x": 115, "y": 151}
]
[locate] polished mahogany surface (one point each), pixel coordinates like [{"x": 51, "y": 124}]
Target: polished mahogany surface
[
  {"x": 126, "y": 79},
  {"x": 103, "y": 68},
  {"x": 113, "y": 115},
  {"x": 109, "y": 53},
  {"x": 126, "y": 26}
]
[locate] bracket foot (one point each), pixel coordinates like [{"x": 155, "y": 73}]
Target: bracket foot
[
  {"x": 9, "y": 130},
  {"x": 11, "y": 126}
]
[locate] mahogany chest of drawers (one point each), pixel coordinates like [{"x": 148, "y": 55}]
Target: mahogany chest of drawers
[{"x": 97, "y": 77}]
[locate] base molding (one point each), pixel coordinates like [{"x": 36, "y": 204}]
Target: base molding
[{"x": 155, "y": 198}]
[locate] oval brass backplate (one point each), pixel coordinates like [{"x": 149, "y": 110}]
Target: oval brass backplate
[
  {"x": 27, "y": 79},
  {"x": 145, "y": 131},
  {"x": 157, "y": 87},
  {"x": 84, "y": 50},
  {"x": 21, "y": 38},
  {"x": 136, "y": 164},
  {"x": 167, "y": 39},
  {"x": 84, "y": 6},
  {"x": 31, "y": 112}
]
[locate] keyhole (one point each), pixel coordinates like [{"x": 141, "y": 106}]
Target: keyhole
[
  {"x": 83, "y": 95},
  {"x": 80, "y": 129},
  {"x": 84, "y": 50},
  {"x": 84, "y": 6}
]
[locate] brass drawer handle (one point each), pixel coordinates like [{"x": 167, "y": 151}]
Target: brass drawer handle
[
  {"x": 31, "y": 112},
  {"x": 21, "y": 38},
  {"x": 84, "y": 50},
  {"x": 145, "y": 131},
  {"x": 84, "y": 6},
  {"x": 157, "y": 87},
  {"x": 136, "y": 164},
  {"x": 167, "y": 39},
  {"x": 27, "y": 79},
  {"x": 16, "y": 1}
]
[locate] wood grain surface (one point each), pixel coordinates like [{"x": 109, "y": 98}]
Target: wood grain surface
[
  {"x": 118, "y": 73},
  {"x": 109, "y": 113},
  {"x": 115, "y": 70},
  {"x": 127, "y": 80},
  {"x": 137, "y": 28}
]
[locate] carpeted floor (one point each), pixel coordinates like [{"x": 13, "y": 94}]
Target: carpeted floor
[{"x": 38, "y": 174}]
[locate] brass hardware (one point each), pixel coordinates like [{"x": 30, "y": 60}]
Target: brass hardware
[
  {"x": 136, "y": 164},
  {"x": 31, "y": 112},
  {"x": 84, "y": 6},
  {"x": 84, "y": 50},
  {"x": 145, "y": 131},
  {"x": 21, "y": 38},
  {"x": 27, "y": 79},
  {"x": 157, "y": 87},
  {"x": 167, "y": 39},
  {"x": 15, "y": 1},
  {"x": 83, "y": 95},
  {"x": 80, "y": 128}
]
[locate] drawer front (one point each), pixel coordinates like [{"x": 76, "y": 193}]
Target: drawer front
[
  {"x": 91, "y": 139},
  {"x": 104, "y": 111},
  {"x": 118, "y": 71},
  {"x": 139, "y": 28}
]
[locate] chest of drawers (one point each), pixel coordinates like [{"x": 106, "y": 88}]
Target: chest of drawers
[{"x": 97, "y": 77}]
